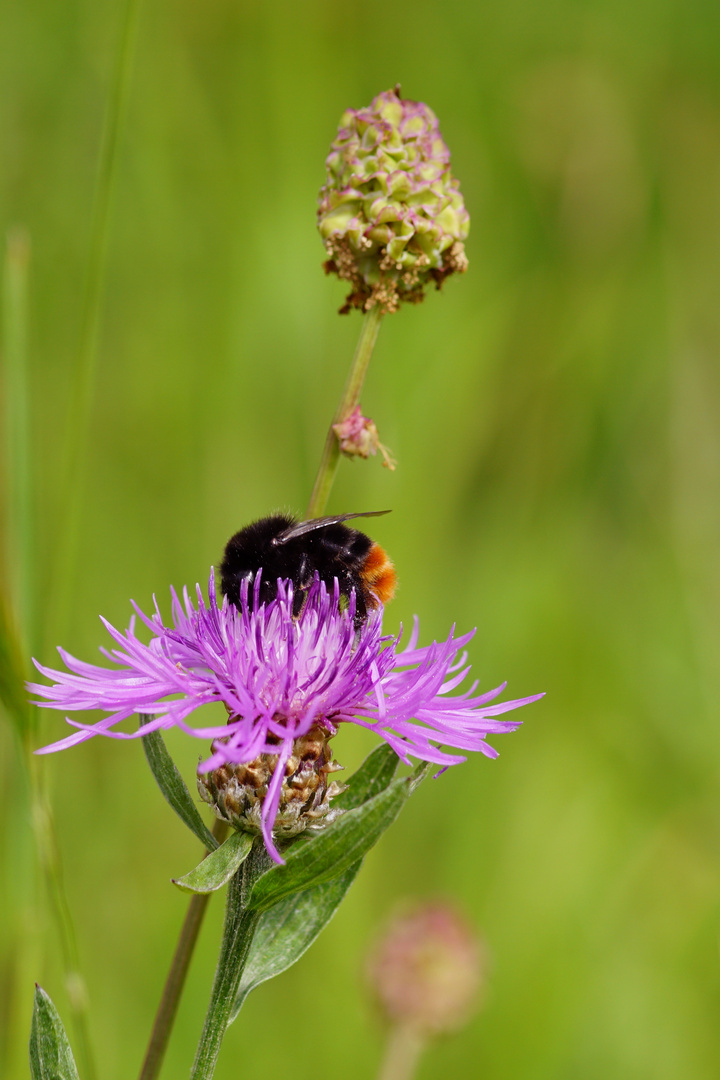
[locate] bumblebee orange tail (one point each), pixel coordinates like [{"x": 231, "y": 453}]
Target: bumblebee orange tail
[{"x": 378, "y": 574}]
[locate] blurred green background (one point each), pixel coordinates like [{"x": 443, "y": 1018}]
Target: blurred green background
[{"x": 555, "y": 418}]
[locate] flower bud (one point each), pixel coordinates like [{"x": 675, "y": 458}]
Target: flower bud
[
  {"x": 358, "y": 437},
  {"x": 236, "y": 792},
  {"x": 426, "y": 970},
  {"x": 390, "y": 213}
]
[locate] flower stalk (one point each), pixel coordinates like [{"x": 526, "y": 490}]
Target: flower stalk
[
  {"x": 238, "y": 931},
  {"x": 403, "y": 1051},
  {"x": 349, "y": 400}
]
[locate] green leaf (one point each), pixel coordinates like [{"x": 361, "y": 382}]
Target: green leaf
[
  {"x": 288, "y": 929},
  {"x": 329, "y": 853},
  {"x": 418, "y": 774},
  {"x": 50, "y": 1055},
  {"x": 373, "y": 776},
  {"x": 218, "y": 867},
  {"x": 173, "y": 787}
]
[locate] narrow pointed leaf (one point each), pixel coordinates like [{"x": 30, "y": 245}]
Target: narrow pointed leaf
[
  {"x": 50, "y": 1055},
  {"x": 173, "y": 787},
  {"x": 418, "y": 775},
  {"x": 329, "y": 853},
  {"x": 218, "y": 867},
  {"x": 376, "y": 772},
  {"x": 286, "y": 930}
]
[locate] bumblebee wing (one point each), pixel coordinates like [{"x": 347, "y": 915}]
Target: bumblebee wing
[{"x": 302, "y": 527}]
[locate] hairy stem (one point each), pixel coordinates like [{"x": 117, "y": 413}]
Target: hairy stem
[
  {"x": 348, "y": 401},
  {"x": 238, "y": 933}
]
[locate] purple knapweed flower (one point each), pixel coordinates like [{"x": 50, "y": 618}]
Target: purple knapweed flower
[{"x": 279, "y": 676}]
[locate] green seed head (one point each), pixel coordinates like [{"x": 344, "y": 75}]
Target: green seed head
[{"x": 390, "y": 213}]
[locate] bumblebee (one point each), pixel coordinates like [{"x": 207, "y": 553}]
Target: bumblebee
[{"x": 286, "y": 548}]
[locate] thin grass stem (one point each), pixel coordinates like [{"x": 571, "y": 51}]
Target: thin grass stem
[
  {"x": 21, "y": 543},
  {"x": 18, "y": 470},
  {"x": 83, "y": 380}
]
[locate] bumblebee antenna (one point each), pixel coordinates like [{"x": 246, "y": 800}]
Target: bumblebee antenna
[{"x": 303, "y": 527}]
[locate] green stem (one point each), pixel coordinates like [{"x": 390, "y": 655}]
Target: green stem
[
  {"x": 17, "y": 430},
  {"x": 348, "y": 401},
  {"x": 402, "y": 1053},
  {"x": 175, "y": 982},
  {"x": 238, "y": 932},
  {"x": 78, "y": 420}
]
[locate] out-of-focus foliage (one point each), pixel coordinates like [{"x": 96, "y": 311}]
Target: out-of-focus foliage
[
  {"x": 12, "y": 672},
  {"x": 554, "y": 413}
]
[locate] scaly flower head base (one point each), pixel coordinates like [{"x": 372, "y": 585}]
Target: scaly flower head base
[
  {"x": 237, "y": 792},
  {"x": 279, "y": 677}
]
